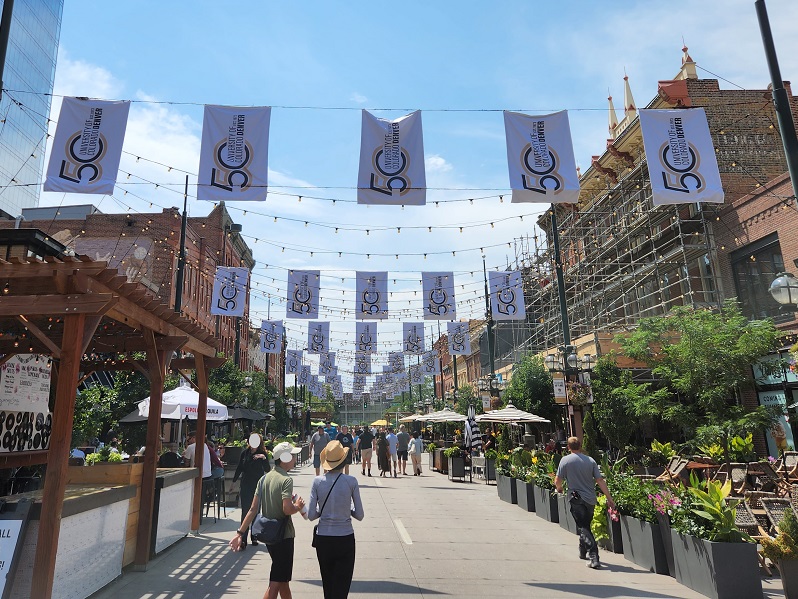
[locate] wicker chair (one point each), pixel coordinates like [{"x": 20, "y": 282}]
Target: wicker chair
[
  {"x": 790, "y": 465},
  {"x": 673, "y": 470},
  {"x": 775, "y": 508},
  {"x": 754, "y": 501},
  {"x": 747, "y": 522},
  {"x": 768, "y": 479}
]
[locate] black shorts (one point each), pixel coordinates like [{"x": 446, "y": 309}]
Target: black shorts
[
  {"x": 282, "y": 555},
  {"x": 402, "y": 455}
]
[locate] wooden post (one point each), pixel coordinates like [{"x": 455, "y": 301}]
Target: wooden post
[
  {"x": 60, "y": 442},
  {"x": 156, "y": 364},
  {"x": 199, "y": 453}
]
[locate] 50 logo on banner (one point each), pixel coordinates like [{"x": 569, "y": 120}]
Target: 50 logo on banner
[
  {"x": 679, "y": 161},
  {"x": 230, "y": 164},
  {"x": 229, "y": 291}
]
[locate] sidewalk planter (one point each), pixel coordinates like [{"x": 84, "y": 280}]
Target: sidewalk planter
[
  {"x": 667, "y": 542},
  {"x": 432, "y": 460},
  {"x": 546, "y": 505},
  {"x": 567, "y": 521},
  {"x": 506, "y": 488},
  {"x": 642, "y": 544},
  {"x": 441, "y": 461},
  {"x": 789, "y": 577},
  {"x": 615, "y": 541},
  {"x": 456, "y": 467},
  {"x": 717, "y": 570},
  {"x": 525, "y": 492},
  {"x": 490, "y": 469}
]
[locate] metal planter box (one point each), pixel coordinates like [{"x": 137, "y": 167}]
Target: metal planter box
[
  {"x": 642, "y": 544},
  {"x": 546, "y": 505},
  {"x": 506, "y": 487},
  {"x": 717, "y": 570},
  {"x": 490, "y": 469},
  {"x": 525, "y": 492},
  {"x": 567, "y": 521},
  {"x": 614, "y": 543},
  {"x": 457, "y": 468}
]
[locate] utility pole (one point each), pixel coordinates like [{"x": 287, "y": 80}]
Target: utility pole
[
  {"x": 489, "y": 318},
  {"x": 780, "y": 99}
]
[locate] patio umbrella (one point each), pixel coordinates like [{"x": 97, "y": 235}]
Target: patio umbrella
[
  {"x": 411, "y": 418},
  {"x": 510, "y": 414},
  {"x": 379, "y": 423},
  {"x": 445, "y": 415},
  {"x": 239, "y": 412}
]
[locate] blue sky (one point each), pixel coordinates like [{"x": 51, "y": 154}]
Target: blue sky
[{"x": 459, "y": 62}]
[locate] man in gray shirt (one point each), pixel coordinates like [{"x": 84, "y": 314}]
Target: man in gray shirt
[
  {"x": 318, "y": 442},
  {"x": 402, "y": 441},
  {"x": 582, "y": 474}
]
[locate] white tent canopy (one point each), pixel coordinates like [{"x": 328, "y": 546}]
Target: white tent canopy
[
  {"x": 183, "y": 402},
  {"x": 510, "y": 414},
  {"x": 445, "y": 415}
]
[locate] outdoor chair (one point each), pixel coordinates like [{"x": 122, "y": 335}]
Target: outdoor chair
[
  {"x": 754, "y": 501},
  {"x": 747, "y": 522},
  {"x": 790, "y": 465},
  {"x": 674, "y": 470},
  {"x": 775, "y": 508},
  {"x": 767, "y": 479},
  {"x": 739, "y": 478},
  {"x": 794, "y": 496},
  {"x": 721, "y": 476}
]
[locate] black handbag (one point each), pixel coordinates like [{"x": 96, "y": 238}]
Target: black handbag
[
  {"x": 316, "y": 528},
  {"x": 267, "y": 530}
]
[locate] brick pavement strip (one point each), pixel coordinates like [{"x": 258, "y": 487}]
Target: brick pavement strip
[{"x": 465, "y": 543}]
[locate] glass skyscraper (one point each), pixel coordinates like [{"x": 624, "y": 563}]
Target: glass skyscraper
[{"x": 27, "y": 80}]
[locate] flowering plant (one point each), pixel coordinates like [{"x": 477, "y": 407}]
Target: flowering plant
[
  {"x": 579, "y": 394},
  {"x": 664, "y": 501},
  {"x": 614, "y": 514}
]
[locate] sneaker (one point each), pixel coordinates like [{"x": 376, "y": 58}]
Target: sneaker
[
  {"x": 594, "y": 564},
  {"x": 369, "y": 472}
]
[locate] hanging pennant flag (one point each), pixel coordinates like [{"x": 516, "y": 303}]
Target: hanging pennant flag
[
  {"x": 540, "y": 157},
  {"x": 459, "y": 339},
  {"x": 413, "y": 338},
  {"x": 438, "y": 295},
  {"x": 303, "y": 294},
  {"x": 293, "y": 361},
  {"x": 234, "y": 157},
  {"x": 271, "y": 336},
  {"x": 681, "y": 158},
  {"x": 326, "y": 363},
  {"x": 362, "y": 363},
  {"x": 430, "y": 364},
  {"x": 229, "y": 290},
  {"x": 416, "y": 375},
  {"x": 366, "y": 337},
  {"x": 392, "y": 161},
  {"x": 506, "y": 296},
  {"x": 318, "y": 337},
  {"x": 87, "y": 146},
  {"x": 304, "y": 375},
  {"x": 372, "y": 295},
  {"x": 396, "y": 361}
]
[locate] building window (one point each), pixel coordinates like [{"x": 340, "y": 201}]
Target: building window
[{"x": 754, "y": 267}]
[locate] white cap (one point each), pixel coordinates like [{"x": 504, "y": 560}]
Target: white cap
[{"x": 283, "y": 451}]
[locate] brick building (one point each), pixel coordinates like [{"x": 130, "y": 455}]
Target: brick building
[{"x": 146, "y": 247}]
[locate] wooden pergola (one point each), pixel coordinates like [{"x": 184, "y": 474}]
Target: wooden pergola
[{"x": 87, "y": 318}]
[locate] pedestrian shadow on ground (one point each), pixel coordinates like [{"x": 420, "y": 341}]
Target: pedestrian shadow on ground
[
  {"x": 382, "y": 587},
  {"x": 599, "y": 591}
]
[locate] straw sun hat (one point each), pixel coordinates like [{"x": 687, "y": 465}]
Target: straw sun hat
[{"x": 333, "y": 455}]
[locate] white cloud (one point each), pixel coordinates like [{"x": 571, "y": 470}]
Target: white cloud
[
  {"x": 437, "y": 164},
  {"x": 358, "y": 98}
]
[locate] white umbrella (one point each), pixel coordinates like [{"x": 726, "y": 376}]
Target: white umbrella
[
  {"x": 445, "y": 415},
  {"x": 510, "y": 414},
  {"x": 411, "y": 418},
  {"x": 183, "y": 402}
]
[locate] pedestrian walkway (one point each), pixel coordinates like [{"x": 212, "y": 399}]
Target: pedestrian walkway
[{"x": 421, "y": 537}]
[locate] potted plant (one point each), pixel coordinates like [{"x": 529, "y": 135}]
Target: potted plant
[
  {"x": 431, "y": 451},
  {"x": 456, "y": 462},
  {"x": 504, "y": 483},
  {"x": 657, "y": 457},
  {"x": 665, "y": 501},
  {"x": 490, "y": 464},
  {"x": 546, "y": 505},
  {"x": 710, "y": 554},
  {"x": 783, "y": 551}
]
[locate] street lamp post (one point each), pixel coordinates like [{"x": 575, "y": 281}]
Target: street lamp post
[
  {"x": 573, "y": 368},
  {"x": 494, "y": 390},
  {"x": 784, "y": 289}
]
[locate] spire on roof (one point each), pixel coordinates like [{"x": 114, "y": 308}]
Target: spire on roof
[
  {"x": 685, "y": 56},
  {"x": 613, "y": 118},
  {"x": 629, "y": 108},
  {"x": 688, "y": 70}
]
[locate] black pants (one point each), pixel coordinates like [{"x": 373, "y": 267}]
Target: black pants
[
  {"x": 583, "y": 515},
  {"x": 336, "y": 557}
]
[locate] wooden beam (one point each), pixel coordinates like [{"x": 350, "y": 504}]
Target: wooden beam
[
  {"x": 50, "y": 305},
  {"x": 189, "y": 363},
  {"x": 199, "y": 452},
  {"x": 11, "y": 270},
  {"x": 156, "y": 362},
  {"x": 92, "y": 322},
  {"x": 55, "y": 351},
  {"x": 23, "y": 458},
  {"x": 60, "y": 441}
]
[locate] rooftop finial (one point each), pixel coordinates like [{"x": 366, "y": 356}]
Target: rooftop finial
[
  {"x": 613, "y": 117},
  {"x": 629, "y": 108},
  {"x": 685, "y": 56}
]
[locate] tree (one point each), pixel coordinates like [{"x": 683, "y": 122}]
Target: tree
[
  {"x": 705, "y": 358},
  {"x": 589, "y": 437},
  {"x": 530, "y": 388},
  {"x": 225, "y": 383},
  {"x": 466, "y": 397}
]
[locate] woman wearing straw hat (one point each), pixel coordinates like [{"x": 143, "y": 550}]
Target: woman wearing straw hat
[{"x": 331, "y": 499}]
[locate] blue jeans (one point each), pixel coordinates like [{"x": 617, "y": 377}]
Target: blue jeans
[{"x": 583, "y": 515}]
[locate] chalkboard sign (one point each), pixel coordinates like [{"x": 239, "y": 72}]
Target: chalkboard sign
[{"x": 13, "y": 522}]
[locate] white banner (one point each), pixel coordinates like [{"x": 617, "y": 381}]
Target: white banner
[
  {"x": 459, "y": 339},
  {"x": 303, "y": 294},
  {"x": 326, "y": 364},
  {"x": 304, "y": 375},
  {"x": 362, "y": 363},
  {"x": 234, "y": 157},
  {"x": 25, "y": 384},
  {"x": 396, "y": 361},
  {"x": 229, "y": 290},
  {"x": 540, "y": 156},
  {"x": 681, "y": 157},
  {"x": 430, "y": 364},
  {"x": 366, "y": 337},
  {"x": 438, "y": 295},
  {"x": 416, "y": 375},
  {"x": 413, "y": 338},
  {"x": 87, "y": 146},
  {"x": 271, "y": 336},
  {"x": 392, "y": 161},
  {"x": 318, "y": 337},
  {"x": 506, "y": 295},
  {"x": 372, "y": 295},
  {"x": 293, "y": 361}
]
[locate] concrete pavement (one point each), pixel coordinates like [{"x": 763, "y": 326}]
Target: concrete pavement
[{"x": 421, "y": 537}]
